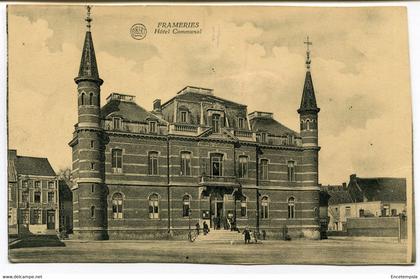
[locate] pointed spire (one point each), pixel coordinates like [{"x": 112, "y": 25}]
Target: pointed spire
[
  {"x": 88, "y": 68},
  {"x": 308, "y": 102}
]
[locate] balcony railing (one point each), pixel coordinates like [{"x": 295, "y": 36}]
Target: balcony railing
[
  {"x": 209, "y": 180},
  {"x": 243, "y": 133},
  {"x": 182, "y": 128}
]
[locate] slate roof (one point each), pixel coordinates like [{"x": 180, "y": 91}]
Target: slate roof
[
  {"x": 33, "y": 166},
  {"x": 382, "y": 188},
  {"x": 339, "y": 197},
  {"x": 88, "y": 67},
  {"x": 127, "y": 110},
  {"x": 270, "y": 125},
  {"x": 308, "y": 102},
  {"x": 199, "y": 97}
]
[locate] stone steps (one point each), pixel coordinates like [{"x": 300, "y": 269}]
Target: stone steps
[{"x": 221, "y": 236}]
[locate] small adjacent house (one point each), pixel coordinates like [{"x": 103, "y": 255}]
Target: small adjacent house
[
  {"x": 365, "y": 197},
  {"x": 32, "y": 195}
]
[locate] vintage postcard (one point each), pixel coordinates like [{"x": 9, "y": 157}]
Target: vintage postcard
[{"x": 209, "y": 134}]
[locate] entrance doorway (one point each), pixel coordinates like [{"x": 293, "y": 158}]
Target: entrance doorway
[
  {"x": 219, "y": 215},
  {"x": 50, "y": 219}
]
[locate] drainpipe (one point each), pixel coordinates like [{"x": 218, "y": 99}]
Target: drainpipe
[
  {"x": 257, "y": 182},
  {"x": 168, "y": 181},
  {"x": 235, "y": 175}
]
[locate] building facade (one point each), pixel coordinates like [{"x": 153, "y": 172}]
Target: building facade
[
  {"x": 196, "y": 157},
  {"x": 365, "y": 198},
  {"x": 32, "y": 196}
]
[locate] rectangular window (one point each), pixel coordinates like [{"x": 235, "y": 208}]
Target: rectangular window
[
  {"x": 37, "y": 196},
  {"x": 24, "y": 216},
  {"x": 183, "y": 116},
  {"x": 241, "y": 123},
  {"x": 291, "y": 171},
  {"x": 152, "y": 127},
  {"x": 264, "y": 208},
  {"x": 348, "y": 211},
  {"x": 51, "y": 185},
  {"x": 186, "y": 163},
  {"x": 92, "y": 144},
  {"x": 116, "y": 160},
  {"x": 243, "y": 166},
  {"x": 153, "y": 163},
  {"x": 37, "y": 184},
  {"x": 394, "y": 212},
  {"x": 25, "y": 196},
  {"x": 117, "y": 123},
  {"x": 216, "y": 161},
  {"x": 50, "y": 197},
  {"x": 263, "y": 137},
  {"x": 215, "y": 121},
  {"x": 264, "y": 169}
]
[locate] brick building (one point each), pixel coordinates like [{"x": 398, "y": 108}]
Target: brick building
[
  {"x": 32, "y": 196},
  {"x": 196, "y": 157}
]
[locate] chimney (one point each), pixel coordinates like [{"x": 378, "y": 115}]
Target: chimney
[
  {"x": 12, "y": 154},
  {"x": 157, "y": 105},
  {"x": 344, "y": 185}
]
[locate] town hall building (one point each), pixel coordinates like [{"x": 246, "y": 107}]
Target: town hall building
[{"x": 197, "y": 157}]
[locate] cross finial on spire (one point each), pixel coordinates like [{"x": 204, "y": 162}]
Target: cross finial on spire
[
  {"x": 308, "y": 53},
  {"x": 88, "y": 18}
]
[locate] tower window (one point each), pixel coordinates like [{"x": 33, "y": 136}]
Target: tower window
[
  {"x": 153, "y": 163},
  {"x": 185, "y": 163},
  {"x": 91, "y": 99},
  {"x": 82, "y": 99},
  {"x": 92, "y": 166},
  {"x": 215, "y": 121},
  {"x": 154, "y": 206},
  {"x": 243, "y": 166},
  {"x": 116, "y": 160},
  {"x": 92, "y": 188},
  {"x": 291, "y": 208},
  {"x": 264, "y": 208},
  {"x": 264, "y": 169},
  {"x": 186, "y": 201},
  {"x": 92, "y": 211},
  {"x": 307, "y": 124},
  {"x": 291, "y": 171},
  {"x": 92, "y": 144},
  {"x": 117, "y": 206}
]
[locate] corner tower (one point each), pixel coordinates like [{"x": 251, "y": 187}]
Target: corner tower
[
  {"x": 308, "y": 112},
  {"x": 90, "y": 192}
]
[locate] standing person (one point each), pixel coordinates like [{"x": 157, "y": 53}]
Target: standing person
[
  {"x": 205, "y": 228},
  {"x": 197, "y": 228},
  {"x": 254, "y": 235},
  {"x": 247, "y": 235}
]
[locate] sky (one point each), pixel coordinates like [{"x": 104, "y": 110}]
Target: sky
[{"x": 251, "y": 55}]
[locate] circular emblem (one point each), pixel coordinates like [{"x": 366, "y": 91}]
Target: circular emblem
[{"x": 138, "y": 31}]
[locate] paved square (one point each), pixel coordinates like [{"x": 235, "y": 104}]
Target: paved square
[{"x": 329, "y": 251}]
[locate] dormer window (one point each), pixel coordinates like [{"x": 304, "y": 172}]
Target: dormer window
[
  {"x": 215, "y": 121},
  {"x": 184, "y": 115},
  {"x": 263, "y": 137},
  {"x": 116, "y": 121},
  {"x": 152, "y": 127},
  {"x": 241, "y": 123}
]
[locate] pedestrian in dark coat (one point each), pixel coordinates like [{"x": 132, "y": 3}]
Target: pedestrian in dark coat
[
  {"x": 205, "y": 228},
  {"x": 247, "y": 235},
  {"x": 197, "y": 227}
]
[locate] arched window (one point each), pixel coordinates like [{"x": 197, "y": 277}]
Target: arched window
[
  {"x": 307, "y": 124},
  {"x": 291, "y": 208},
  {"x": 186, "y": 201},
  {"x": 92, "y": 211},
  {"x": 243, "y": 166},
  {"x": 154, "y": 206},
  {"x": 82, "y": 99},
  {"x": 116, "y": 160},
  {"x": 264, "y": 208},
  {"x": 153, "y": 163},
  {"x": 264, "y": 169},
  {"x": 243, "y": 207},
  {"x": 291, "y": 171},
  {"x": 91, "y": 98},
  {"x": 117, "y": 206}
]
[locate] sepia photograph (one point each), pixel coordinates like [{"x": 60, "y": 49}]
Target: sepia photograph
[{"x": 230, "y": 135}]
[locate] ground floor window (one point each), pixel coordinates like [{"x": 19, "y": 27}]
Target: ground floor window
[
  {"x": 36, "y": 217},
  {"x": 186, "y": 206},
  {"x": 264, "y": 208},
  {"x": 117, "y": 206},
  {"x": 243, "y": 207},
  {"x": 154, "y": 206},
  {"x": 291, "y": 208}
]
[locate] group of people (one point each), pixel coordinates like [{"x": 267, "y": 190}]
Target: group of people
[
  {"x": 247, "y": 235},
  {"x": 206, "y": 229},
  {"x": 246, "y": 232}
]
